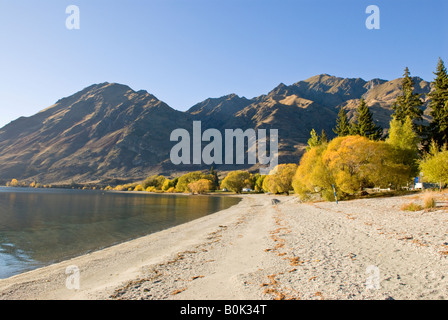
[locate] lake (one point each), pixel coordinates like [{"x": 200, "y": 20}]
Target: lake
[{"x": 39, "y": 227}]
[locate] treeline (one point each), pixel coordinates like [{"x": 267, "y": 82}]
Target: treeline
[{"x": 198, "y": 182}]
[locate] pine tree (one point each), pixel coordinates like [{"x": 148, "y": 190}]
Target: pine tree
[
  {"x": 439, "y": 106},
  {"x": 365, "y": 126},
  {"x": 408, "y": 103},
  {"x": 342, "y": 125}
]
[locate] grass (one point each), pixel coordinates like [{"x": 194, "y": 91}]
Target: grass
[
  {"x": 428, "y": 200},
  {"x": 411, "y": 207}
]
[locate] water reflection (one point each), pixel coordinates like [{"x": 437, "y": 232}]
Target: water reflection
[{"x": 45, "y": 226}]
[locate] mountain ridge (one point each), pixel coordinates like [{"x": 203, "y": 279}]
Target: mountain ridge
[{"x": 108, "y": 131}]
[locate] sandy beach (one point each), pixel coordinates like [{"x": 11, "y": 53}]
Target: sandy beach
[{"x": 360, "y": 249}]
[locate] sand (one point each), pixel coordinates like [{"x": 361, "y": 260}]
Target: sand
[{"x": 360, "y": 249}]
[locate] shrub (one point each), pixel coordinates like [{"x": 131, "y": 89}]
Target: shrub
[{"x": 138, "y": 188}]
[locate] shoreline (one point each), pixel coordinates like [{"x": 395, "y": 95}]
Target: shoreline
[
  {"x": 54, "y": 275},
  {"x": 256, "y": 250}
]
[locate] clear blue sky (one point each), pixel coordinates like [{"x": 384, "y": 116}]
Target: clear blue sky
[{"x": 184, "y": 51}]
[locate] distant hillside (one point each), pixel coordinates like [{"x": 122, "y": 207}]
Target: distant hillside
[{"x": 108, "y": 131}]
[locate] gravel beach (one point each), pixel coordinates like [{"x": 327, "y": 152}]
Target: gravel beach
[{"x": 359, "y": 249}]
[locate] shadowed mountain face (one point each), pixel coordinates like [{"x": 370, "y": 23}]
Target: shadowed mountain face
[{"x": 108, "y": 131}]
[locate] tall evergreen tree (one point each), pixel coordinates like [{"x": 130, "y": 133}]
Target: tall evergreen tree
[
  {"x": 342, "y": 125},
  {"x": 408, "y": 103},
  {"x": 438, "y": 129},
  {"x": 365, "y": 126},
  {"x": 214, "y": 178}
]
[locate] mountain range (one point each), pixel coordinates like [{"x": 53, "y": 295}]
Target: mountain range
[{"x": 108, "y": 133}]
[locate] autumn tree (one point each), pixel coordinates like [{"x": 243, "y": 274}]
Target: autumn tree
[
  {"x": 201, "y": 186},
  {"x": 404, "y": 140},
  {"x": 313, "y": 176},
  {"x": 280, "y": 178},
  {"x": 155, "y": 181},
  {"x": 236, "y": 180},
  {"x": 434, "y": 167},
  {"x": 357, "y": 162},
  {"x": 186, "y": 179},
  {"x": 259, "y": 179}
]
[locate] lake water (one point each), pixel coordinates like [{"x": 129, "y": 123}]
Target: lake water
[{"x": 43, "y": 226}]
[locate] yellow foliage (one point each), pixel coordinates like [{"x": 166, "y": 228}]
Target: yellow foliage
[
  {"x": 200, "y": 186},
  {"x": 279, "y": 180}
]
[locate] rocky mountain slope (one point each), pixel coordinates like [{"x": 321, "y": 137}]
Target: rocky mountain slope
[{"x": 107, "y": 132}]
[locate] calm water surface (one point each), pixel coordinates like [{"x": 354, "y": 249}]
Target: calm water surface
[{"x": 42, "y": 226}]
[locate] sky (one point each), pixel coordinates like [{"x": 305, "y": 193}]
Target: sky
[{"x": 185, "y": 51}]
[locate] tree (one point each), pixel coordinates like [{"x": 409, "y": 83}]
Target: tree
[
  {"x": 435, "y": 167},
  {"x": 404, "y": 141},
  {"x": 215, "y": 179},
  {"x": 313, "y": 176},
  {"x": 408, "y": 104},
  {"x": 236, "y": 180},
  {"x": 168, "y": 184},
  {"x": 438, "y": 128},
  {"x": 357, "y": 163},
  {"x": 365, "y": 126},
  {"x": 186, "y": 179},
  {"x": 280, "y": 178},
  {"x": 343, "y": 127},
  {"x": 201, "y": 186},
  {"x": 314, "y": 140},
  {"x": 14, "y": 183},
  {"x": 155, "y": 181},
  {"x": 259, "y": 179}
]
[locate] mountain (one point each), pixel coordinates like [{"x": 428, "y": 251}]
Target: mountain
[
  {"x": 108, "y": 132},
  {"x": 104, "y": 131}
]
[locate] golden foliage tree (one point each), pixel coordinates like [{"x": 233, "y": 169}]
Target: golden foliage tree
[
  {"x": 186, "y": 179},
  {"x": 434, "y": 167},
  {"x": 200, "y": 186},
  {"x": 236, "y": 180},
  {"x": 279, "y": 180}
]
